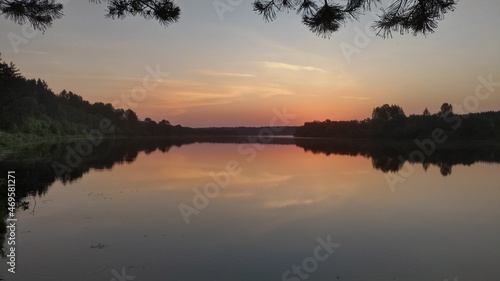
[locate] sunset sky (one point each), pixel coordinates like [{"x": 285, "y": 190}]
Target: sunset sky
[{"x": 235, "y": 69}]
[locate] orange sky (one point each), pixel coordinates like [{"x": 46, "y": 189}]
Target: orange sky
[{"x": 235, "y": 70}]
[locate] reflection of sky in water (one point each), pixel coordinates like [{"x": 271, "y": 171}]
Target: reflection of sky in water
[{"x": 265, "y": 221}]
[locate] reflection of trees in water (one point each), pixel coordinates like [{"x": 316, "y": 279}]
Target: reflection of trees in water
[
  {"x": 445, "y": 169},
  {"x": 34, "y": 172},
  {"x": 391, "y": 156},
  {"x": 387, "y": 164}
]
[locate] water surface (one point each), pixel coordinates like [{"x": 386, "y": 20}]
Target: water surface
[{"x": 119, "y": 212}]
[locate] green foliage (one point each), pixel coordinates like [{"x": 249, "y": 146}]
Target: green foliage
[{"x": 29, "y": 106}]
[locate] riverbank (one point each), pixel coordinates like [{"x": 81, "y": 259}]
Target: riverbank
[{"x": 12, "y": 143}]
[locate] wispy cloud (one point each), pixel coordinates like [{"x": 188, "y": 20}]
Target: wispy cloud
[
  {"x": 183, "y": 97},
  {"x": 177, "y": 97},
  {"x": 354, "y": 98},
  {"x": 228, "y": 74},
  {"x": 262, "y": 91},
  {"x": 287, "y": 66},
  {"x": 291, "y": 203},
  {"x": 32, "y": 52},
  {"x": 89, "y": 77}
]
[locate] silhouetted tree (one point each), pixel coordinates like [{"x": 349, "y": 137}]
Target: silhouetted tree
[
  {"x": 164, "y": 123},
  {"x": 426, "y": 112},
  {"x": 131, "y": 116},
  {"x": 7, "y": 71},
  {"x": 446, "y": 109},
  {"x": 388, "y": 112},
  {"x": 391, "y": 122}
]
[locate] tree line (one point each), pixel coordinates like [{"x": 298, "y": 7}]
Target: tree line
[
  {"x": 390, "y": 122},
  {"x": 29, "y": 106}
]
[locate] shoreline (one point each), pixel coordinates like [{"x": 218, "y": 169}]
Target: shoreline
[{"x": 11, "y": 143}]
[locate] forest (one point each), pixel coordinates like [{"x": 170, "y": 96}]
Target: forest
[
  {"x": 30, "y": 110},
  {"x": 390, "y": 122},
  {"x": 30, "y": 107}
]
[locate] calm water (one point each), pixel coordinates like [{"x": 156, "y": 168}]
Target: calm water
[{"x": 120, "y": 215}]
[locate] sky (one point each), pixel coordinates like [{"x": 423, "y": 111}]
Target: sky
[{"x": 232, "y": 68}]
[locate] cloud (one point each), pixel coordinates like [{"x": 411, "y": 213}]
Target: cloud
[
  {"x": 262, "y": 180},
  {"x": 229, "y": 74},
  {"x": 32, "y": 52},
  {"x": 260, "y": 91},
  {"x": 177, "y": 97},
  {"x": 92, "y": 77},
  {"x": 354, "y": 98},
  {"x": 287, "y": 66},
  {"x": 183, "y": 97},
  {"x": 180, "y": 95},
  {"x": 290, "y": 203}
]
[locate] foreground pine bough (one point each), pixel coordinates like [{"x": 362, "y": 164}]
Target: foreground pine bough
[{"x": 322, "y": 17}]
